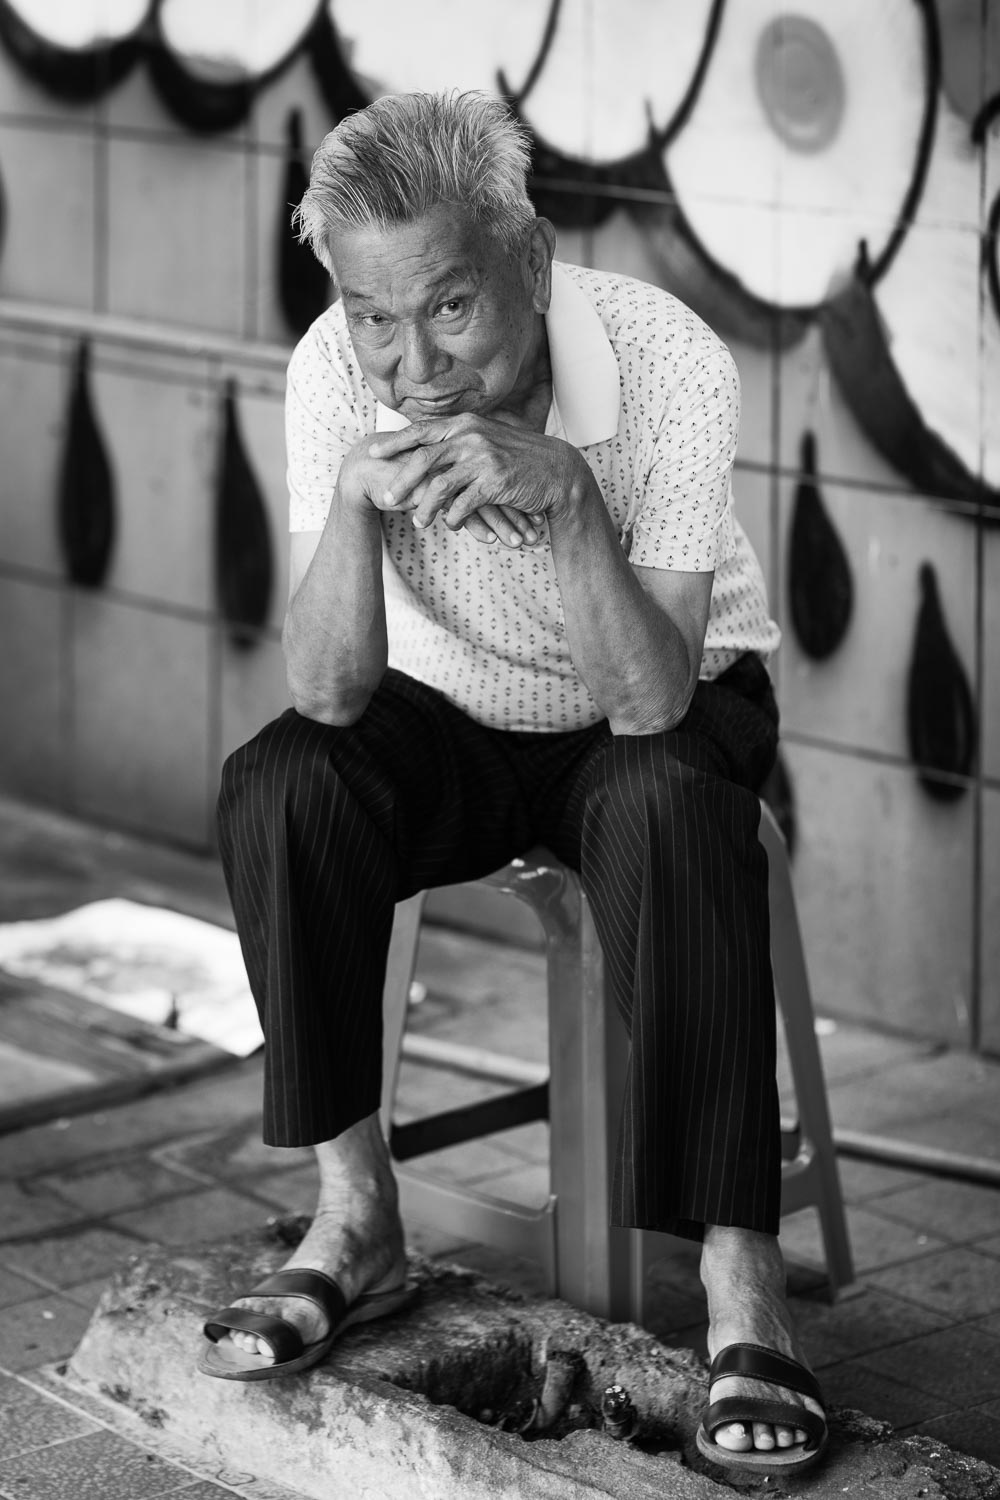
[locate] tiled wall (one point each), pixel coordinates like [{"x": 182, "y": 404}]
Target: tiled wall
[{"x": 121, "y": 703}]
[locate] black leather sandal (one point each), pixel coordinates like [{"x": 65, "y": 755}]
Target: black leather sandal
[
  {"x": 755, "y": 1362},
  {"x": 222, "y": 1358}
]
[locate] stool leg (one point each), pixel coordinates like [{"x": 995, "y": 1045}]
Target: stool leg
[
  {"x": 792, "y": 985},
  {"x": 588, "y": 1051},
  {"x": 399, "y": 969}
]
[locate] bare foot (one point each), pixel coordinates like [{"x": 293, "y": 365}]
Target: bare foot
[
  {"x": 356, "y": 1235},
  {"x": 744, "y": 1277}
]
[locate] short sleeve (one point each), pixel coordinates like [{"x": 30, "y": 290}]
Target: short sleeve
[
  {"x": 327, "y": 410},
  {"x": 684, "y": 514}
]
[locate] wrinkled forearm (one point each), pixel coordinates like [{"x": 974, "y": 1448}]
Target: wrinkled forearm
[
  {"x": 334, "y": 637},
  {"x": 632, "y": 656}
]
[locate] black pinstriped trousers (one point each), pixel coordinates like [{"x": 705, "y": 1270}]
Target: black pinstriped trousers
[{"x": 323, "y": 829}]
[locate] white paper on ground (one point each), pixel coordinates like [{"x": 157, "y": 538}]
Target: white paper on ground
[{"x": 146, "y": 961}]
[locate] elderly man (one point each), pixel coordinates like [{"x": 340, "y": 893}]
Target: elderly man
[{"x": 521, "y": 611}]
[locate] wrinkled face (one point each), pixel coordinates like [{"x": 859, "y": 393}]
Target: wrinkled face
[{"x": 441, "y": 319}]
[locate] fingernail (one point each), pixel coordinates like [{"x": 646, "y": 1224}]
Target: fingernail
[
  {"x": 515, "y": 539},
  {"x": 388, "y": 498},
  {"x": 531, "y": 536}
]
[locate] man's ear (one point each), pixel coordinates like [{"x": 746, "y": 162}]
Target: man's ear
[{"x": 541, "y": 249}]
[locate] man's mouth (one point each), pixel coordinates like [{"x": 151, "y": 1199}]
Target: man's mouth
[{"x": 436, "y": 403}]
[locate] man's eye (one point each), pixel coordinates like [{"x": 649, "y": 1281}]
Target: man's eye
[{"x": 452, "y": 307}]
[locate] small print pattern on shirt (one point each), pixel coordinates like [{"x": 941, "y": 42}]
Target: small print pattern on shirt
[{"x": 485, "y": 626}]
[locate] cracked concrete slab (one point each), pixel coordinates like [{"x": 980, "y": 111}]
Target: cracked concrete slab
[{"x": 421, "y": 1405}]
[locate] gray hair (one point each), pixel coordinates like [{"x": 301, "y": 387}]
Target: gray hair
[{"x": 390, "y": 163}]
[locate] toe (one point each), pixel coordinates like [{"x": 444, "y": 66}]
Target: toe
[
  {"x": 763, "y": 1435},
  {"x": 734, "y": 1437},
  {"x": 785, "y": 1437}
]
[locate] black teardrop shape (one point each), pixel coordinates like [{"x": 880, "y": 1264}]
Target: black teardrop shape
[
  {"x": 820, "y": 585},
  {"x": 243, "y": 557},
  {"x": 303, "y": 284},
  {"x": 940, "y": 716},
  {"x": 86, "y": 486}
]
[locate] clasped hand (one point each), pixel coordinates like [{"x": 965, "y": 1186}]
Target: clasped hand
[{"x": 495, "y": 479}]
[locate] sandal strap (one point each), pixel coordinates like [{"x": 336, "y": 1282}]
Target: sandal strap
[
  {"x": 756, "y": 1362},
  {"x": 312, "y": 1286},
  {"x": 283, "y": 1338},
  {"x": 748, "y": 1409}
]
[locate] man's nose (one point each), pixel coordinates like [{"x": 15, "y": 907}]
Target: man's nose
[{"x": 420, "y": 357}]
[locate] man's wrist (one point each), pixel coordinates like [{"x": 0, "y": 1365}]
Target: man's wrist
[{"x": 578, "y": 495}]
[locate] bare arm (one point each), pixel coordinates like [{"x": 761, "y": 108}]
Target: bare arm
[
  {"x": 635, "y": 634},
  {"x": 334, "y": 635}
]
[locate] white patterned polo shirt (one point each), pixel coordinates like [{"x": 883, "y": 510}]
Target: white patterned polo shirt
[{"x": 650, "y": 396}]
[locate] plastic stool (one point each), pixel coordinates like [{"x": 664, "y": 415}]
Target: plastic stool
[{"x": 586, "y": 1262}]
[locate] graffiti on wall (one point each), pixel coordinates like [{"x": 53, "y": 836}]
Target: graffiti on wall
[{"x": 821, "y": 167}]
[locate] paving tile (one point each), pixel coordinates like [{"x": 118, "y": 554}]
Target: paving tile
[
  {"x": 204, "y": 1489},
  {"x": 424, "y": 1090},
  {"x": 875, "y": 1241},
  {"x": 231, "y": 1151},
  {"x": 850, "y": 1051},
  {"x": 14, "y": 1288},
  {"x": 922, "y": 1087},
  {"x": 294, "y": 1191},
  {"x": 108, "y": 1190},
  {"x": 854, "y": 1103},
  {"x": 530, "y": 1141},
  {"x": 990, "y": 1324},
  {"x": 853, "y": 1327},
  {"x": 990, "y": 1245},
  {"x": 472, "y": 1161},
  {"x": 166, "y": 1116},
  {"x": 527, "y": 1184},
  {"x": 957, "y": 1211},
  {"x": 88, "y": 1293},
  {"x": 860, "y": 1180},
  {"x": 36, "y": 1333},
  {"x": 951, "y": 1130},
  {"x": 669, "y": 1311},
  {"x": 213, "y": 1214},
  {"x": 430, "y": 1241},
  {"x": 678, "y": 1270},
  {"x": 29, "y": 1420},
  {"x": 854, "y": 1384},
  {"x": 97, "y": 1466},
  {"x": 27, "y": 1210},
  {"x": 514, "y": 1271},
  {"x": 975, "y": 1431},
  {"x": 693, "y": 1337},
  {"x": 958, "y": 1364},
  {"x": 68, "y": 1259},
  {"x": 959, "y": 1282}
]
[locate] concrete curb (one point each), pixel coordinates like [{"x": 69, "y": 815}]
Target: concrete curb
[{"x": 398, "y": 1410}]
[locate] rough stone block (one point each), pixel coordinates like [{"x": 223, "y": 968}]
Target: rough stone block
[{"x": 423, "y": 1404}]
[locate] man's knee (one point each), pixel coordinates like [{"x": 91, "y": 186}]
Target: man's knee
[
  {"x": 658, "y": 788},
  {"x": 267, "y": 769}
]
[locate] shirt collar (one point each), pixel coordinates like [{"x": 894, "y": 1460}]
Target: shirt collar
[{"x": 585, "y": 382}]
